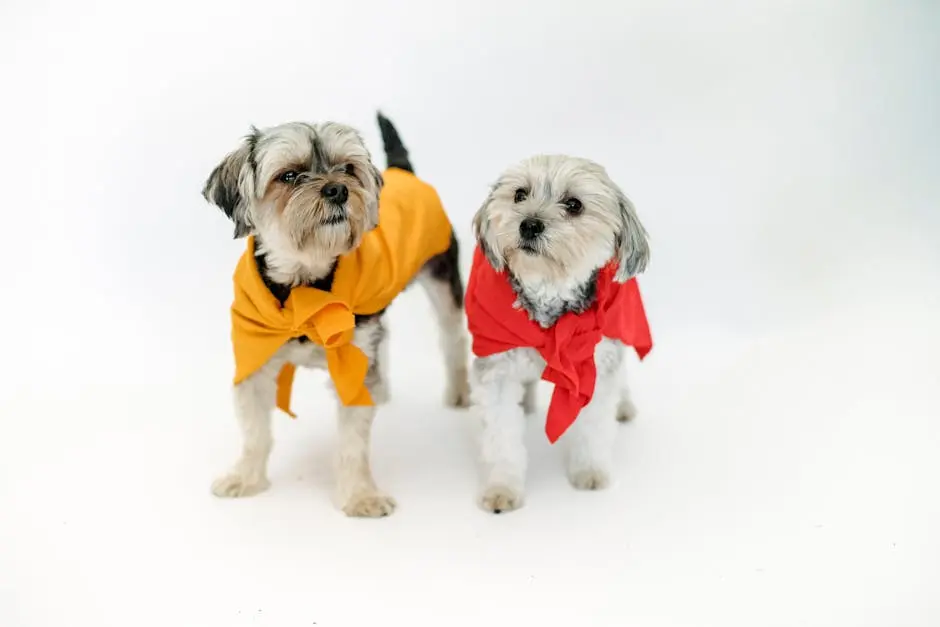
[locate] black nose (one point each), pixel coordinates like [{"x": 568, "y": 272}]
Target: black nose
[
  {"x": 531, "y": 228},
  {"x": 335, "y": 192}
]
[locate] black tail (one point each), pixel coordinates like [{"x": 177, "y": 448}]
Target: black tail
[{"x": 396, "y": 155}]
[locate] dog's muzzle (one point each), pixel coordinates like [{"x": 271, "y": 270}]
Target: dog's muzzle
[
  {"x": 336, "y": 193},
  {"x": 529, "y": 232}
]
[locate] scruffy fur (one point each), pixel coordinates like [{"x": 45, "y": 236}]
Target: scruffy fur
[
  {"x": 552, "y": 222},
  {"x": 276, "y": 185}
]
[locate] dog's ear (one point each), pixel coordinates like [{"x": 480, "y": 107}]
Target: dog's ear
[
  {"x": 481, "y": 230},
  {"x": 372, "y": 210},
  {"x": 225, "y": 186},
  {"x": 633, "y": 251}
]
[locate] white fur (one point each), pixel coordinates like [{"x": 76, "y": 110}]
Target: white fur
[
  {"x": 499, "y": 385},
  {"x": 551, "y": 276}
]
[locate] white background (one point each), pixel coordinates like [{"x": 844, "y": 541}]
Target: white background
[{"x": 784, "y": 468}]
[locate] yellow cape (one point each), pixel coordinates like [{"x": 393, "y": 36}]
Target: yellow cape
[{"x": 413, "y": 228}]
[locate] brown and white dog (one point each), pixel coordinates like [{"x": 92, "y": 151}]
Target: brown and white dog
[{"x": 308, "y": 193}]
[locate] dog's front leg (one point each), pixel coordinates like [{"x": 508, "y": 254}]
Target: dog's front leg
[
  {"x": 357, "y": 490},
  {"x": 497, "y": 394},
  {"x": 589, "y": 441},
  {"x": 254, "y": 401}
]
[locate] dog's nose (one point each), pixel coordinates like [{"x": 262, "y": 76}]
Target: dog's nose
[
  {"x": 531, "y": 228},
  {"x": 335, "y": 192}
]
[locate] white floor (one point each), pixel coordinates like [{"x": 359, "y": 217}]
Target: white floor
[
  {"x": 783, "y": 470},
  {"x": 780, "y": 480}
]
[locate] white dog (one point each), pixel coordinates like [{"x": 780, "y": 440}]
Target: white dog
[
  {"x": 323, "y": 263},
  {"x": 551, "y": 295}
]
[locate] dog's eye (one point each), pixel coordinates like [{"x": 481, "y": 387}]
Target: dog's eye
[
  {"x": 521, "y": 195},
  {"x": 350, "y": 169},
  {"x": 288, "y": 177},
  {"x": 573, "y": 206}
]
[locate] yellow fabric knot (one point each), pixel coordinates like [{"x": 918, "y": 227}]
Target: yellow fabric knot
[{"x": 328, "y": 322}]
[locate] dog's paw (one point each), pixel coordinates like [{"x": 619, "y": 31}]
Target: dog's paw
[
  {"x": 626, "y": 410},
  {"x": 458, "y": 393},
  {"x": 369, "y": 505},
  {"x": 593, "y": 479},
  {"x": 499, "y": 499},
  {"x": 235, "y": 485}
]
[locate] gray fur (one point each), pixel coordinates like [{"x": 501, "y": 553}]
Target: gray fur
[
  {"x": 633, "y": 251},
  {"x": 223, "y": 187},
  {"x": 481, "y": 230},
  {"x": 546, "y": 309}
]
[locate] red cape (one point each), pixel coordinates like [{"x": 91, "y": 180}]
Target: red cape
[{"x": 568, "y": 346}]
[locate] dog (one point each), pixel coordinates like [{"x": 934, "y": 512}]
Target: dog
[
  {"x": 322, "y": 224},
  {"x": 552, "y": 295}
]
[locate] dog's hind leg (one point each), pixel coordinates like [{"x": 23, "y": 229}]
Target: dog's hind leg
[{"x": 441, "y": 279}]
